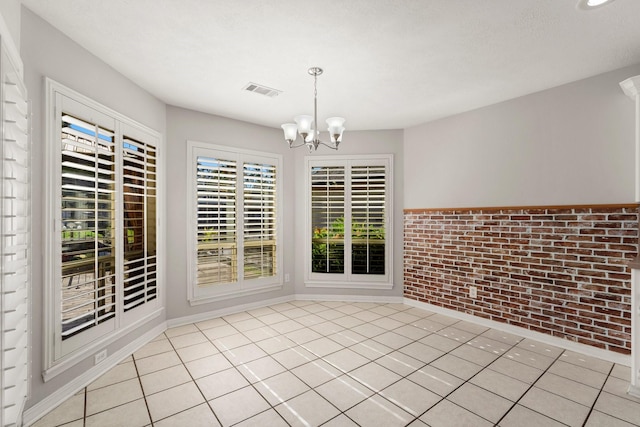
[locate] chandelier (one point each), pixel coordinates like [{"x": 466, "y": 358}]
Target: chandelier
[{"x": 307, "y": 126}]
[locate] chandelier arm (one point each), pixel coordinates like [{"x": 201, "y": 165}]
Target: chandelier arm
[
  {"x": 301, "y": 144},
  {"x": 332, "y": 146}
]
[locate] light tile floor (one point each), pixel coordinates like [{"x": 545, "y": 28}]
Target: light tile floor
[{"x": 350, "y": 364}]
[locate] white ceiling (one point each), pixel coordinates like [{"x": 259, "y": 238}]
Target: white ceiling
[{"x": 387, "y": 63}]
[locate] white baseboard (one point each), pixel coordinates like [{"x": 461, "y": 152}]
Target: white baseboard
[
  {"x": 526, "y": 333},
  {"x": 634, "y": 391},
  {"x": 349, "y": 298},
  {"x": 52, "y": 401},
  {"x": 200, "y": 317}
]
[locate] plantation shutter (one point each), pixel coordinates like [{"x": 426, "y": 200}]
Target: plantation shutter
[
  {"x": 259, "y": 200},
  {"x": 139, "y": 216},
  {"x": 368, "y": 201},
  {"x": 216, "y": 181},
  {"x": 15, "y": 252},
  {"x": 327, "y": 219},
  {"x": 88, "y": 221}
]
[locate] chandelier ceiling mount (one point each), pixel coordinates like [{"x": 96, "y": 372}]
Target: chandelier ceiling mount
[{"x": 307, "y": 126}]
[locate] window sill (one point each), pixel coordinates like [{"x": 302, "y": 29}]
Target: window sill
[{"x": 349, "y": 285}]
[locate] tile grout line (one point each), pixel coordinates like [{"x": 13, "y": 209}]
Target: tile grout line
[
  {"x": 469, "y": 379},
  {"x": 343, "y": 373},
  {"x": 444, "y": 326},
  {"x": 84, "y": 414},
  {"x": 144, "y": 396},
  {"x": 613, "y": 365},
  {"x": 377, "y": 356},
  {"x": 529, "y": 388},
  {"x": 193, "y": 380},
  {"x": 236, "y": 370}
]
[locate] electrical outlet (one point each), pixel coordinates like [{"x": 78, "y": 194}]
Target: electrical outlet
[
  {"x": 473, "y": 292},
  {"x": 99, "y": 357},
  {"x": 287, "y": 278}
]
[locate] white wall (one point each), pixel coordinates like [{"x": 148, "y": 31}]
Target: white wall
[
  {"x": 47, "y": 52},
  {"x": 573, "y": 144},
  {"x": 184, "y": 125},
  {"x": 354, "y": 142},
  {"x": 10, "y": 12}
]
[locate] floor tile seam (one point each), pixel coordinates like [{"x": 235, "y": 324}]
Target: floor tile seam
[
  {"x": 255, "y": 415},
  {"x": 146, "y": 404},
  {"x": 377, "y": 358},
  {"x": 117, "y": 382},
  {"x": 394, "y": 329},
  {"x": 215, "y": 346},
  {"x": 261, "y": 379},
  {"x": 533, "y": 410},
  {"x": 84, "y": 410},
  {"x": 374, "y": 393},
  {"x": 193, "y": 380},
  {"x": 609, "y": 370},
  {"x": 165, "y": 389},
  {"x": 213, "y": 327},
  {"x": 333, "y": 418},
  {"x": 343, "y": 373},
  {"x": 199, "y": 357},
  {"x": 465, "y": 382},
  {"x": 484, "y": 351},
  {"x": 181, "y": 326},
  {"x": 318, "y": 385},
  {"x": 600, "y": 391},
  {"x": 137, "y": 358},
  {"x": 107, "y": 410},
  {"x": 406, "y": 377},
  {"x": 591, "y": 409},
  {"x": 560, "y": 374},
  {"x": 402, "y": 377},
  {"x": 296, "y": 396},
  {"x": 532, "y": 385},
  {"x": 609, "y": 415},
  {"x": 592, "y": 370},
  {"x": 626, "y": 396},
  {"x": 437, "y": 358},
  {"x": 253, "y": 386},
  {"x": 374, "y": 339}
]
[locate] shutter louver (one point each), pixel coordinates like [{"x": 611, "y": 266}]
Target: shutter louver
[
  {"x": 139, "y": 202},
  {"x": 87, "y": 282},
  {"x": 15, "y": 253},
  {"x": 259, "y": 199},
  {"x": 216, "y": 182},
  {"x": 368, "y": 201},
  {"x": 327, "y": 219}
]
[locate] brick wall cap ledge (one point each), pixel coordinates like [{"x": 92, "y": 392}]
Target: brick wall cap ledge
[{"x": 532, "y": 207}]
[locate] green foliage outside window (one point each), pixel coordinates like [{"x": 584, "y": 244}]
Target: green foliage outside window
[{"x": 327, "y": 250}]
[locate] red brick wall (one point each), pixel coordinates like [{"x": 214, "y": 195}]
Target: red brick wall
[{"x": 556, "y": 270}]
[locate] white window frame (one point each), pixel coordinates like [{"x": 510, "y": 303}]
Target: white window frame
[
  {"x": 59, "y": 356},
  {"x": 201, "y": 295},
  {"x": 347, "y": 280}
]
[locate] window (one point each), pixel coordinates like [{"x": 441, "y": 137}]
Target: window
[
  {"x": 349, "y": 221},
  {"x": 102, "y": 249},
  {"x": 234, "y": 213}
]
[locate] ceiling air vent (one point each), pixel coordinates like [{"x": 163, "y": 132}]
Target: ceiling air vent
[{"x": 262, "y": 90}]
